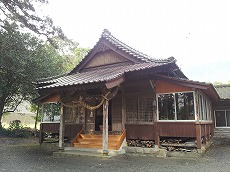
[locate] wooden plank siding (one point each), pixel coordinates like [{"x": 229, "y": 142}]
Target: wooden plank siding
[
  {"x": 70, "y": 129},
  {"x": 103, "y": 58},
  {"x": 166, "y": 87},
  {"x": 176, "y": 129},
  {"x": 117, "y": 113},
  {"x": 139, "y": 131}
]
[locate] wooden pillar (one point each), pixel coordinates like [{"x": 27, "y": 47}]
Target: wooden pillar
[
  {"x": 105, "y": 128},
  {"x": 41, "y": 134},
  {"x": 205, "y": 133},
  {"x": 123, "y": 106},
  {"x": 208, "y": 137},
  {"x": 41, "y": 126},
  {"x": 156, "y": 128},
  {"x": 198, "y": 136},
  {"x": 61, "y": 130}
]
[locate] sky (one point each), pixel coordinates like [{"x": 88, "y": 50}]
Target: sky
[{"x": 195, "y": 32}]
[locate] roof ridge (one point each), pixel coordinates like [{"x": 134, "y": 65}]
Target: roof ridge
[{"x": 107, "y": 34}]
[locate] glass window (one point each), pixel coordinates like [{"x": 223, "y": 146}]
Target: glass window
[
  {"x": 166, "y": 107},
  {"x": 228, "y": 118},
  {"x": 220, "y": 118},
  {"x": 204, "y": 108},
  {"x": 51, "y": 112},
  {"x": 201, "y": 107},
  {"x": 185, "y": 106}
]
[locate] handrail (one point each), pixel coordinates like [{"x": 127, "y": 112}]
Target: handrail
[
  {"x": 123, "y": 136},
  {"x": 75, "y": 139}
]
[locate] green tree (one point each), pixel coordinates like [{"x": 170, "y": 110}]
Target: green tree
[
  {"x": 23, "y": 14},
  {"x": 23, "y": 59}
]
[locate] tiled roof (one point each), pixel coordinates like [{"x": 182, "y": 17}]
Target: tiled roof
[
  {"x": 223, "y": 90},
  {"x": 105, "y": 73},
  {"x": 96, "y": 75},
  {"x": 106, "y": 35},
  {"x": 131, "y": 51}
]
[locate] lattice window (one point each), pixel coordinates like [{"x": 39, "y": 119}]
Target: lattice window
[
  {"x": 139, "y": 110},
  {"x": 72, "y": 115},
  {"x": 145, "y": 110},
  {"x": 131, "y": 111}
]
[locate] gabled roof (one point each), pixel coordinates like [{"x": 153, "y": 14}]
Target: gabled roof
[
  {"x": 108, "y": 41},
  {"x": 139, "y": 62}
]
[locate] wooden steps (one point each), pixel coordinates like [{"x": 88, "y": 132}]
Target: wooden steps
[{"x": 95, "y": 141}]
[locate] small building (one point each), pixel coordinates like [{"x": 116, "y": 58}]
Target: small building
[
  {"x": 118, "y": 94},
  {"x": 222, "y": 107}
]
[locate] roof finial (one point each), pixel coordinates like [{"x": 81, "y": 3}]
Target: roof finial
[
  {"x": 106, "y": 32},
  {"x": 171, "y": 59}
]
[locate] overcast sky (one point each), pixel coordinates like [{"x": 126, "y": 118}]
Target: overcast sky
[{"x": 195, "y": 32}]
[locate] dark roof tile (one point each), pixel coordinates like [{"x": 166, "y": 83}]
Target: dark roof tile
[{"x": 96, "y": 75}]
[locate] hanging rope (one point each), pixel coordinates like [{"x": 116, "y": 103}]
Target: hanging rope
[{"x": 81, "y": 103}]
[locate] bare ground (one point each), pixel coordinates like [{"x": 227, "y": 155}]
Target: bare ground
[{"x": 27, "y": 155}]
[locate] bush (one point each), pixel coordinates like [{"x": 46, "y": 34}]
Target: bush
[{"x": 16, "y": 129}]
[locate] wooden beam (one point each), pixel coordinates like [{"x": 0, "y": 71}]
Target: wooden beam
[
  {"x": 105, "y": 140},
  {"x": 114, "y": 82},
  {"x": 61, "y": 129}
]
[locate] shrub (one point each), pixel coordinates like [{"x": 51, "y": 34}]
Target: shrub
[{"x": 16, "y": 129}]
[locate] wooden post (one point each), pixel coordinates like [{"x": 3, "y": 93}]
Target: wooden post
[
  {"x": 205, "y": 133},
  {"x": 105, "y": 128},
  {"x": 61, "y": 130},
  {"x": 123, "y": 106},
  {"x": 41, "y": 126},
  {"x": 156, "y": 128},
  {"x": 198, "y": 136}
]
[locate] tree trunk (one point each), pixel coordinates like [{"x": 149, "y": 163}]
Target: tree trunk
[{"x": 1, "y": 110}]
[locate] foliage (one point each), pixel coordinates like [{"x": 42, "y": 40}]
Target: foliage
[
  {"x": 217, "y": 83},
  {"x": 80, "y": 53},
  {"x": 16, "y": 129},
  {"x": 23, "y": 14},
  {"x": 24, "y": 59}
]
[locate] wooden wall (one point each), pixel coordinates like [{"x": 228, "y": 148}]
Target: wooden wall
[
  {"x": 105, "y": 58},
  {"x": 176, "y": 129},
  {"x": 166, "y": 87},
  {"x": 222, "y": 105},
  {"x": 71, "y": 130},
  {"x": 116, "y": 113},
  {"x": 139, "y": 131}
]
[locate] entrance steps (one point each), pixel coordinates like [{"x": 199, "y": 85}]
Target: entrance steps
[{"x": 95, "y": 141}]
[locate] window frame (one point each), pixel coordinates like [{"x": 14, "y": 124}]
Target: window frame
[
  {"x": 206, "y": 112},
  {"x": 175, "y": 108},
  {"x": 225, "y": 117}
]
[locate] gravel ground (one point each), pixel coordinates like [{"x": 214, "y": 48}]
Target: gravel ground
[{"x": 25, "y": 155}]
